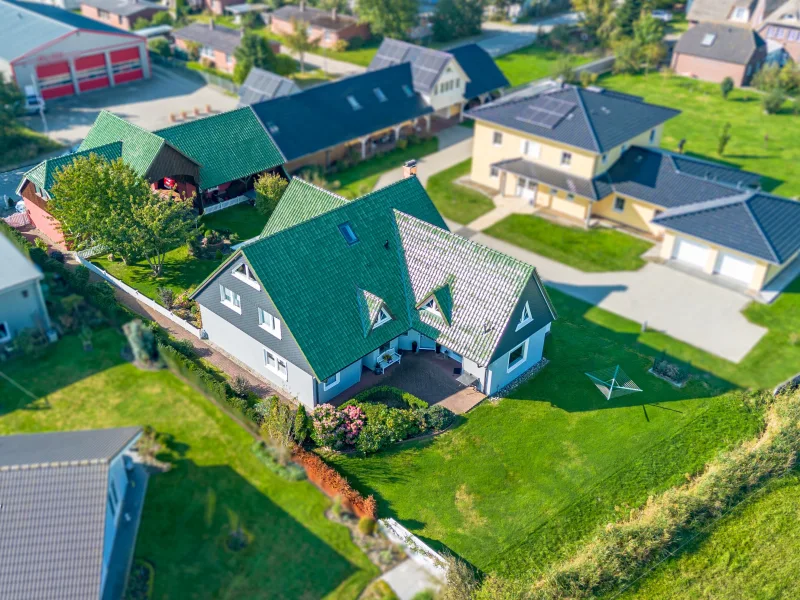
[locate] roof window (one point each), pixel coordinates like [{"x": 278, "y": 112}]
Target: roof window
[
  {"x": 407, "y": 91},
  {"x": 708, "y": 39},
  {"x": 272, "y": 127},
  {"x": 353, "y": 103},
  {"x": 379, "y": 95},
  {"x": 348, "y": 234}
]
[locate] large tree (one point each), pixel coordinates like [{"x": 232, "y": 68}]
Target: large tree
[
  {"x": 253, "y": 51},
  {"x": 300, "y": 42},
  {"x": 456, "y": 19},
  {"x": 597, "y": 20},
  {"x": 626, "y": 15},
  {"x": 389, "y": 18}
]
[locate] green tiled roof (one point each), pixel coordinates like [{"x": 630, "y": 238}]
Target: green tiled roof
[
  {"x": 139, "y": 147},
  {"x": 43, "y": 174},
  {"x": 326, "y": 289},
  {"x": 227, "y": 146},
  {"x": 300, "y": 202}
]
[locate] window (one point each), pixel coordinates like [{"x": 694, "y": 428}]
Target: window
[
  {"x": 353, "y": 103},
  {"x": 229, "y": 59},
  {"x": 604, "y": 158},
  {"x": 275, "y": 363},
  {"x": 207, "y": 51},
  {"x": 328, "y": 36},
  {"x": 458, "y": 82},
  {"x": 530, "y": 148},
  {"x": 244, "y": 273},
  {"x": 379, "y": 95},
  {"x": 383, "y": 317},
  {"x": 708, "y": 39},
  {"x": 348, "y": 234},
  {"x": 102, "y": 14},
  {"x": 269, "y": 323},
  {"x": 525, "y": 317},
  {"x": 408, "y": 91},
  {"x": 497, "y": 138},
  {"x": 740, "y": 14},
  {"x": 619, "y": 204},
  {"x": 794, "y": 35},
  {"x": 566, "y": 159},
  {"x": 652, "y": 135},
  {"x": 494, "y": 172},
  {"x": 230, "y": 299},
  {"x": 272, "y": 127},
  {"x": 330, "y": 382},
  {"x": 432, "y": 307},
  {"x": 5, "y": 332},
  {"x": 571, "y": 197},
  {"x": 517, "y": 356}
]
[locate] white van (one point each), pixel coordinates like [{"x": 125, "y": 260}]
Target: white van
[{"x": 33, "y": 101}]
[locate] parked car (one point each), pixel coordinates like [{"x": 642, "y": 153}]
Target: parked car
[
  {"x": 34, "y": 103},
  {"x": 662, "y": 15}
]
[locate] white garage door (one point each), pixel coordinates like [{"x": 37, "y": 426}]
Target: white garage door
[
  {"x": 690, "y": 252},
  {"x": 736, "y": 267}
]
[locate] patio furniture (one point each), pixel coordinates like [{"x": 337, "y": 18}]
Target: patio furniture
[{"x": 385, "y": 360}]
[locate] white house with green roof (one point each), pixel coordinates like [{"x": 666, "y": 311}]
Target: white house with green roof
[{"x": 334, "y": 287}]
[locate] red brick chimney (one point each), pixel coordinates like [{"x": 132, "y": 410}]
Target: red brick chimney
[{"x": 410, "y": 169}]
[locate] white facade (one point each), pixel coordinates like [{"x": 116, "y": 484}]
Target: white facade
[{"x": 449, "y": 90}]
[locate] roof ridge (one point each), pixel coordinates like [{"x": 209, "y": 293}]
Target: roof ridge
[
  {"x": 579, "y": 94},
  {"x": 86, "y": 462},
  {"x": 319, "y": 188},
  {"x": 705, "y": 205},
  {"x": 760, "y": 229}
]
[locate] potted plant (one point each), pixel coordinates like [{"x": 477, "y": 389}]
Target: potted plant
[{"x": 414, "y": 347}]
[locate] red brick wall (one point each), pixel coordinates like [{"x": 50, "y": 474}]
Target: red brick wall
[
  {"x": 40, "y": 217},
  {"x": 708, "y": 70},
  {"x": 361, "y": 30},
  {"x": 219, "y": 57},
  {"x": 125, "y": 23}
]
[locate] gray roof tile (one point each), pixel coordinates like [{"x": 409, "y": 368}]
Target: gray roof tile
[
  {"x": 64, "y": 446},
  {"x": 730, "y": 43},
  {"x": 214, "y": 36},
  {"x": 314, "y": 17},
  {"x": 262, "y": 85},
  {"x": 588, "y": 188},
  {"x": 484, "y": 74},
  {"x": 427, "y": 64}
]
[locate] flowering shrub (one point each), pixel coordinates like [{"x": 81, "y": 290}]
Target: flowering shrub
[
  {"x": 328, "y": 426},
  {"x": 352, "y": 422}
]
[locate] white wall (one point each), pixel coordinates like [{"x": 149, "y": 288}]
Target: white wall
[
  {"x": 498, "y": 370},
  {"x": 452, "y": 72}
]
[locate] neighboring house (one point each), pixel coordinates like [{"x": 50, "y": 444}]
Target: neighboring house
[
  {"x": 62, "y": 53},
  {"x": 216, "y": 7},
  {"x": 262, "y": 85},
  {"x": 326, "y": 27},
  {"x": 332, "y": 287},
  {"x": 714, "y": 51},
  {"x": 120, "y": 13},
  {"x": 217, "y": 158},
  {"x": 65, "y": 4},
  {"x": 22, "y": 304},
  {"x": 217, "y": 43},
  {"x": 71, "y": 506},
  {"x": 781, "y": 29},
  {"x": 237, "y": 10},
  {"x": 342, "y": 118},
  {"x": 589, "y": 154},
  {"x": 448, "y": 81}
]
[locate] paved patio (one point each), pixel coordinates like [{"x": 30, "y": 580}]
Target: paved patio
[{"x": 427, "y": 375}]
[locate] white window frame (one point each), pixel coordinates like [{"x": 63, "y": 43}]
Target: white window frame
[
  {"x": 526, "y": 316},
  {"x": 346, "y": 229},
  {"x": 269, "y": 322},
  {"x": 622, "y": 208},
  {"x": 379, "y": 94},
  {"x": 566, "y": 159},
  {"x": 336, "y": 378},
  {"x": 408, "y": 91},
  {"x": 7, "y": 336},
  {"x": 235, "y": 301},
  {"x": 522, "y": 360},
  {"x": 570, "y": 197},
  {"x": 383, "y": 317},
  {"x": 431, "y": 306},
  {"x": 530, "y": 148},
  {"x": 247, "y": 277},
  {"x": 497, "y": 138},
  {"x": 207, "y": 52},
  {"x": 278, "y": 359}
]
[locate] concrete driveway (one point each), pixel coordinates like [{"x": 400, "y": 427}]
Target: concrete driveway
[
  {"x": 512, "y": 37},
  {"x": 685, "y": 307}
]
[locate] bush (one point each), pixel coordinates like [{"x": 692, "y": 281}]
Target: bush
[
  {"x": 167, "y": 297},
  {"x": 437, "y": 417},
  {"x": 57, "y": 255},
  {"x": 328, "y": 430},
  {"x": 270, "y": 459},
  {"x": 40, "y": 244},
  {"x": 773, "y": 101},
  {"x": 726, "y": 87},
  {"x": 461, "y": 580},
  {"x": 142, "y": 343},
  {"x": 588, "y": 78},
  {"x": 302, "y": 425},
  {"x": 160, "y": 47},
  {"x": 385, "y": 426},
  {"x": 269, "y": 190},
  {"x": 240, "y": 386},
  {"x": 366, "y": 526},
  {"x": 672, "y": 371},
  {"x": 16, "y": 237}
]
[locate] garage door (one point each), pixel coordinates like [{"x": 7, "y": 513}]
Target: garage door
[
  {"x": 91, "y": 72},
  {"x": 126, "y": 65},
  {"x": 735, "y": 267},
  {"x": 691, "y": 253},
  {"x": 54, "y": 80}
]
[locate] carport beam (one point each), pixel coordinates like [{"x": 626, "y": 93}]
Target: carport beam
[
  {"x": 74, "y": 75},
  {"x": 364, "y": 141},
  {"x": 109, "y": 69}
]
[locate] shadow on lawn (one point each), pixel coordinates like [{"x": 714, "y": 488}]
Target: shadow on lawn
[{"x": 189, "y": 515}]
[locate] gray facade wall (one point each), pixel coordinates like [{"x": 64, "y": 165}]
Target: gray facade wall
[
  {"x": 498, "y": 375},
  {"x": 532, "y": 294},
  {"x": 23, "y": 307},
  {"x": 348, "y": 377},
  {"x": 371, "y": 359}
]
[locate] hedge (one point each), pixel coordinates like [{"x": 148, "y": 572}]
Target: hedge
[
  {"x": 391, "y": 396},
  {"x": 15, "y": 237}
]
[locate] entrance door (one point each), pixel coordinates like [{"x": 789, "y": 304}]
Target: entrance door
[{"x": 526, "y": 188}]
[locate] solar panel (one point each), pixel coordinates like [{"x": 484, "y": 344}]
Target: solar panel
[{"x": 546, "y": 112}]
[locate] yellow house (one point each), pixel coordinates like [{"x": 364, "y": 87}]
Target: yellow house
[{"x": 589, "y": 154}]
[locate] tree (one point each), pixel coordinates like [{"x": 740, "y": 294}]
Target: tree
[
  {"x": 10, "y": 106},
  {"x": 626, "y": 15},
  {"x": 563, "y": 69},
  {"x": 255, "y": 49},
  {"x": 251, "y": 20},
  {"x": 389, "y": 18},
  {"x": 302, "y": 425},
  {"x": 193, "y": 50},
  {"x": 159, "y": 47},
  {"x": 454, "y": 19},
  {"x": 242, "y": 70},
  {"x": 773, "y": 101},
  {"x": 626, "y": 56},
  {"x": 299, "y": 41},
  {"x": 140, "y": 23},
  {"x": 598, "y": 20},
  {"x": 726, "y": 87},
  {"x": 161, "y": 18},
  {"x": 724, "y": 138},
  {"x": 142, "y": 343},
  {"x": 648, "y": 32},
  {"x": 269, "y": 190}
]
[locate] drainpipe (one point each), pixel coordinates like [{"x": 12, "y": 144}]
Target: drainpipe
[{"x": 588, "y": 214}]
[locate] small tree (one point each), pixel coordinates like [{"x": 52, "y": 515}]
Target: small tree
[
  {"x": 140, "y": 23},
  {"x": 724, "y": 138},
  {"x": 10, "y": 106},
  {"x": 157, "y": 224},
  {"x": 277, "y": 429},
  {"x": 726, "y": 87},
  {"x": 160, "y": 47},
  {"x": 269, "y": 190},
  {"x": 588, "y": 78},
  {"x": 242, "y": 70},
  {"x": 255, "y": 49},
  {"x": 773, "y": 101},
  {"x": 193, "y": 50},
  {"x": 299, "y": 41},
  {"x": 563, "y": 69},
  {"x": 167, "y": 297},
  {"x": 142, "y": 343},
  {"x": 161, "y": 18},
  {"x": 302, "y": 425},
  {"x": 454, "y": 19}
]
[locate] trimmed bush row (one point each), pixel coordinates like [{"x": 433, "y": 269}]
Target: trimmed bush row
[
  {"x": 334, "y": 484},
  {"x": 390, "y": 396},
  {"x": 290, "y": 472}
]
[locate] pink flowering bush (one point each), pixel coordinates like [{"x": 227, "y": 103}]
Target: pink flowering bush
[
  {"x": 352, "y": 422},
  {"x": 328, "y": 426}
]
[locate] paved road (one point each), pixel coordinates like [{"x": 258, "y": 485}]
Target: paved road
[
  {"x": 329, "y": 65},
  {"x": 513, "y": 37}
]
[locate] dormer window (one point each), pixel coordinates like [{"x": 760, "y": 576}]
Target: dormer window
[
  {"x": 383, "y": 317},
  {"x": 525, "y": 317},
  {"x": 244, "y": 273},
  {"x": 432, "y": 307},
  {"x": 740, "y": 14},
  {"x": 348, "y": 234},
  {"x": 353, "y": 103}
]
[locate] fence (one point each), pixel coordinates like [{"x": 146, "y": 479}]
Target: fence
[
  {"x": 90, "y": 252},
  {"x": 417, "y": 550},
  {"x": 139, "y": 296},
  {"x": 18, "y": 219},
  {"x": 207, "y": 210}
]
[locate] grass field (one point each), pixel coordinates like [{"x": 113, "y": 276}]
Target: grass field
[
  {"x": 532, "y": 63},
  {"x": 765, "y": 144},
  {"x": 457, "y": 202},
  {"x": 590, "y": 250},
  {"x": 24, "y": 145},
  {"x": 244, "y": 220},
  {"x": 215, "y": 481}
]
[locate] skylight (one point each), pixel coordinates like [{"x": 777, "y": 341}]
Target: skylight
[
  {"x": 379, "y": 95},
  {"x": 708, "y": 39},
  {"x": 353, "y": 103},
  {"x": 272, "y": 128},
  {"x": 407, "y": 90},
  {"x": 348, "y": 234}
]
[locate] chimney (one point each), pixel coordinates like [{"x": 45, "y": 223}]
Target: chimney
[
  {"x": 211, "y": 24},
  {"x": 410, "y": 169},
  {"x": 334, "y": 13}
]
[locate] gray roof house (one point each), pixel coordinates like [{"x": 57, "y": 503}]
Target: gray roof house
[
  {"x": 22, "y": 305},
  {"x": 211, "y": 35},
  {"x": 262, "y": 85},
  {"x": 63, "y": 497},
  {"x": 335, "y": 287}
]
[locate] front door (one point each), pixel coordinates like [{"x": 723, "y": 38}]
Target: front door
[{"x": 526, "y": 188}]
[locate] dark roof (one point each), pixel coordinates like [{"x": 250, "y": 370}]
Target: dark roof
[
  {"x": 54, "y": 489},
  {"x": 484, "y": 74},
  {"x": 314, "y": 16},
  {"x": 590, "y": 118},
  {"x": 671, "y": 180},
  {"x": 754, "y": 223},
  {"x": 729, "y": 43},
  {"x": 427, "y": 64},
  {"x": 262, "y": 85},
  {"x": 563, "y": 180},
  {"x": 212, "y": 35},
  {"x": 67, "y": 17},
  {"x": 124, "y": 8},
  {"x": 321, "y": 116}
]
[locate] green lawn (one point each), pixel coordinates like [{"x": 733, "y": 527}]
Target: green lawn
[
  {"x": 516, "y": 484},
  {"x": 532, "y": 63},
  {"x": 215, "y": 481},
  {"x": 593, "y": 250},
  {"x": 766, "y": 144},
  {"x": 361, "y": 178},
  {"x": 242, "y": 219},
  {"x": 457, "y": 202},
  {"x": 752, "y": 553},
  {"x": 23, "y": 146}
]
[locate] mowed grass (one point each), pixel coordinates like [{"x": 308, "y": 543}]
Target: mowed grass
[
  {"x": 243, "y": 219},
  {"x": 534, "y": 62},
  {"x": 215, "y": 482},
  {"x": 754, "y": 552},
  {"x": 24, "y": 145},
  {"x": 593, "y": 250},
  {"x": 457, "y": 202},
  {"x": 519, "y": 483},
  {"x": 765, "y": 144}
]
